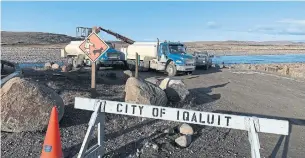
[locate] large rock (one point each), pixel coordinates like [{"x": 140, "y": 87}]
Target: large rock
[
  {"x": 55, "y": 66},
  {"x": 139, "y": 91},
  {"x": 186, "y": 129},
  {"x": 154, "y": 80},
  {"x": 175, "y": 90},
  {"x": 26, "y": 105},
  {"x": 184, "y": 141},
  {"x": 47, "y": 65}
]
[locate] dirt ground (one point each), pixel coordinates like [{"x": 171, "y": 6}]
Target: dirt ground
[
  {"x": 217, "y": 90},
  {"x": 234, "y": 91}
]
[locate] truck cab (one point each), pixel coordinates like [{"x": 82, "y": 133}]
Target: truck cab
[{"x": 177, "y": 58}]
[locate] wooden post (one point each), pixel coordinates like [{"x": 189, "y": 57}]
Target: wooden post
[
  {"x": 137, "y": 66},
  {"x": 93, "y": 76}
]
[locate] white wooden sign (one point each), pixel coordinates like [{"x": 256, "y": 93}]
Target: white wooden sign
[{"x": 250, "y": 124}]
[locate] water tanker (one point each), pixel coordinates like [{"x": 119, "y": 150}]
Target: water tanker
[{"x": 170, "y": 57}]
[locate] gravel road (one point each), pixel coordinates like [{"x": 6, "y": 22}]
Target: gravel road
[{"x": 213, "y": 90}]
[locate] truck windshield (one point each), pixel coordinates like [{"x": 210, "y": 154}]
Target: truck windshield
[{"x": 177, "y": 49}]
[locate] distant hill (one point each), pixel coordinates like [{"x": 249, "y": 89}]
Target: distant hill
[
  {"x": 34, "y": 38},
  {"x": 43, "y": 38}
]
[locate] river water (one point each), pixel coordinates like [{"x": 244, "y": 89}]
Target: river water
[
  {"x": 234, "y": 59},
  {"x": 259, "y": 59}
]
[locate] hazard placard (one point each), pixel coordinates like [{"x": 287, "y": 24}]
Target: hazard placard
[{"x": 93, "y": 46}]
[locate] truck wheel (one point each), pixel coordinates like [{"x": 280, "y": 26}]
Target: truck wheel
[
  {"x": 97, "y": 66},
  {"x": 206, "y": 67},
  {"x": 131, "y": 64},
  {"x": 77, "y": 62},
  {"x": 70, "y": 60},
  {"x": 171, "y": 69},
  {"x": 189, "y": 72}
]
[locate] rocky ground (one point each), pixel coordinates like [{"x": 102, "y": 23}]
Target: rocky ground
[
  {"x": 235, "y": 91},
  {"x": 293, "y": 70},
  {"x": 218, "y": 90}
]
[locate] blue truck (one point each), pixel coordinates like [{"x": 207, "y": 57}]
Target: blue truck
[{"x": 170, "y": 57}]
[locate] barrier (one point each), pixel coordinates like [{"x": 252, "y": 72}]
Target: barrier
[{"x": 251, "y": 124}]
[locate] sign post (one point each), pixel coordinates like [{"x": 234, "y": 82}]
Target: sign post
[{"x": 94, "y": 47}]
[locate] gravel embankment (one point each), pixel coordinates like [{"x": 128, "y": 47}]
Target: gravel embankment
[{"x": 30, "y": 54}]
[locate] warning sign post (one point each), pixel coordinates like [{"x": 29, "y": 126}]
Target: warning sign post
[{"x": 94, "y": 47}]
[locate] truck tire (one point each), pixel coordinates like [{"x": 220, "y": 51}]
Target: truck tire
[
  {"x": 70, "y": 60},
  {"x": 131, "y": 64},
  {"x": 206, "y": 67},
  {"x": 77, "y": 62},
  {"x": 97, "y": 66},
  {"x": 171, "y": 69}
]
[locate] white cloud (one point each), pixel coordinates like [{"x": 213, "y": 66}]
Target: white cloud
[
  {"x": 282, "y": 27},
  {"x": 292, "y": 21},
  {"x": 212, "y": 25}
]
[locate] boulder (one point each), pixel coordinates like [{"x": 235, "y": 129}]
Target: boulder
[
  {"x": 175, "y": 90},
  {"x": 184, "y": 141},
  {"x": 186, "y": 129},
  {"x": 139, "y": 91},
  {"x": 47, "y": 65},
  {"x": 26, "y": 105},
  {"x": 55, "y": 66},
  {"x": 154, "y": 80},
  {"x": 66, "y": 68},
  {"x": 127, "y": 74}
]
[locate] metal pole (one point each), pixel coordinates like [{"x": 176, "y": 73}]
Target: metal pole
[{"x": 137, "y": 66}]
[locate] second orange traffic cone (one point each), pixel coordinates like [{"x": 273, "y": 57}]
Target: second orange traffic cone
[{"x": 52, "y": 144}]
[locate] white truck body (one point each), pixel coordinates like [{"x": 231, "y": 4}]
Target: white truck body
[
  {"x": 144, "y": 49},
  {"x": 72, "y": 49}
]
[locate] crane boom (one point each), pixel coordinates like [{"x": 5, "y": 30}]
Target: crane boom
[{"x": 118, "y": 36}]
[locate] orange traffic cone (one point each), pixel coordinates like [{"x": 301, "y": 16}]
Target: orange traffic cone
[{"x": 52, "y": 144}]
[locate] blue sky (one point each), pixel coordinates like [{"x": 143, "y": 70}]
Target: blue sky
[{"x": 179, "y": 21}]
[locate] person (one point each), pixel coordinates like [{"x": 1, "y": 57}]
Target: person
[{"x": 87, "y": 45}]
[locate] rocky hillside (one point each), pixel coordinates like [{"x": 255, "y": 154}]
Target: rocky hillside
[
  {"x": 51, "y": 40},
  {"x": 33, "y": 38}
]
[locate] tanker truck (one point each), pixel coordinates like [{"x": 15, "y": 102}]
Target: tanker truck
[
  {"x": 169, "y": 57},
  {"x": 78, "y": 58}
]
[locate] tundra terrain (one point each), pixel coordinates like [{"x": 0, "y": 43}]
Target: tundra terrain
[{"x": 229, "y": 91}]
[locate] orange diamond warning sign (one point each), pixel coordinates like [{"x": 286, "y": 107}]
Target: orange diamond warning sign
[{"x": 93, "y": 46}]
